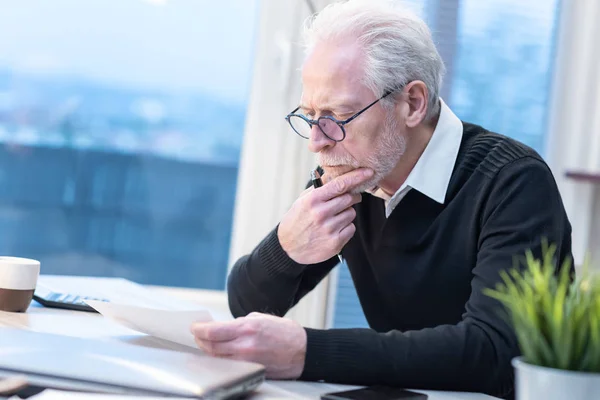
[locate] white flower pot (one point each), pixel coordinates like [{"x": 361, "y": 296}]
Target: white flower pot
[{"x": 536, "y": 383}]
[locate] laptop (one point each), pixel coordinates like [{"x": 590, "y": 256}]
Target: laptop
[{"x": 102, "y": 366}]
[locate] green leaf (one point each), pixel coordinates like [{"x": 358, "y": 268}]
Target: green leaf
[{"x": 556, "y": 318}]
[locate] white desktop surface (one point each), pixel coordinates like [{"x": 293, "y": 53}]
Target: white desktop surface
[{"x": 92, "y": 325}]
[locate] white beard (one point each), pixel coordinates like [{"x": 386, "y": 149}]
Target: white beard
[{"x": 388, "y": 151}]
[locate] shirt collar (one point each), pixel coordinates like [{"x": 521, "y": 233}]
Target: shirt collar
[{"x": 431, "y": 174}]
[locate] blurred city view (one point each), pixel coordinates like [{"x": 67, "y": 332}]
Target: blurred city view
[
  {"x": 65, "y": 111},
  {"x": 121, "y": 124},
  {"x": 101, "y": 180}
]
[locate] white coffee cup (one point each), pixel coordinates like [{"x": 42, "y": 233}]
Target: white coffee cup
[{"x": 18, "y": 278}]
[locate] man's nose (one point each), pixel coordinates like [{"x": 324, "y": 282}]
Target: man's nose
[{"x": 318, "y": 141}]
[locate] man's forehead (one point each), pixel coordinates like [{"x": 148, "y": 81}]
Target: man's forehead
[
  {"x": 334, "y": 61},
  {"x": 333, "y": 73},
  {"x": 330, "y": 100}
]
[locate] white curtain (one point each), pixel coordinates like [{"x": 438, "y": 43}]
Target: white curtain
[
  {"x": 275, "y": 163},
  {"x": 574, "y": 143}
]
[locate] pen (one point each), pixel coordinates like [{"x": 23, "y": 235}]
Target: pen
[
  {"x": 317, "y": 183},
  {"x": 316, "y": 179}
]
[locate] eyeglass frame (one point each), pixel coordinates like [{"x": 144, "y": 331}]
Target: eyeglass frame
[{"x": 313, "y": 122}]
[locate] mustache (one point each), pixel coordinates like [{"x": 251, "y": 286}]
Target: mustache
[{"x": 333, "y": 160}]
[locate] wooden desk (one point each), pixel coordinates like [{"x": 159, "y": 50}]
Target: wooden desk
[{"x": 91, "y": 325}]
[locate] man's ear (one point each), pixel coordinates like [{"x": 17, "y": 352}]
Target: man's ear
[{"x": 416, "y": 95}]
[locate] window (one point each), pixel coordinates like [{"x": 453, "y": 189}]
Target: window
[
  {"x": 120, "y": 130},
  {"x": 499, "y": 76},
  {"x": 503, "y": 66}
]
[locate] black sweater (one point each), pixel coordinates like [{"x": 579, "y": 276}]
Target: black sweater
[{"x": 419, "y": 275}]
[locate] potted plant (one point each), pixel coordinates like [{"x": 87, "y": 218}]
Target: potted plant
[{"x": 557, "y": 323}]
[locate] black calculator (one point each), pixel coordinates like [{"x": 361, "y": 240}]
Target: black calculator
[{"x": 50, "y": 298}]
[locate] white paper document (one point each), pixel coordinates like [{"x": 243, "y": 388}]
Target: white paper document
[{"x": 170, "y": 325}]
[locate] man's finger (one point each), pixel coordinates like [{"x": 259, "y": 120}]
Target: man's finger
[
  {"x": 341, "y": 220},
  {"x": 345, "y": 183},
  {"x": 216, "y": 331},
  {"x": 218, "y": 349},
  {"x": 347, "y": 233},
  {"x": 306, "y": 191},
  {"x": 342, "y": 203}
]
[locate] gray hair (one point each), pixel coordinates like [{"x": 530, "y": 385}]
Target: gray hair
[{"x": 398, "y": 45}]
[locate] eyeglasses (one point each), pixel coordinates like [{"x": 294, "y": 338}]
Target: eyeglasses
[{"x": 332, "y": 128}]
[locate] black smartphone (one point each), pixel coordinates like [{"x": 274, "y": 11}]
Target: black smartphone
[{"x": 375, "y": 393}]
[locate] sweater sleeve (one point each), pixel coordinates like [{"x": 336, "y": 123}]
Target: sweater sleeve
[
  {"x": 522, "y": 208},
  {"x": 269, "y": 281}
]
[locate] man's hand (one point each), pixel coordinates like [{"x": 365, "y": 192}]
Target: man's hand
[
  {"x": 319, "y": 223},
  {"x": 277, "y": 343}
]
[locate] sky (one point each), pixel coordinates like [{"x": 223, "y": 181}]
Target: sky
[{"x": 160, "y": 44}]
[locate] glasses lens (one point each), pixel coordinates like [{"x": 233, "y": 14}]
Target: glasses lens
[
  {"x": 331, "y": 129},
  {"x": 301, "y": 127}
]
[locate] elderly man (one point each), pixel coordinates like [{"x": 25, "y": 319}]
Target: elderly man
[{"x": 426, "y": 211}]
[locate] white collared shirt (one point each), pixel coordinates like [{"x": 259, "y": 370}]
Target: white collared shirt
[{"x": 431, "y": 174}]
